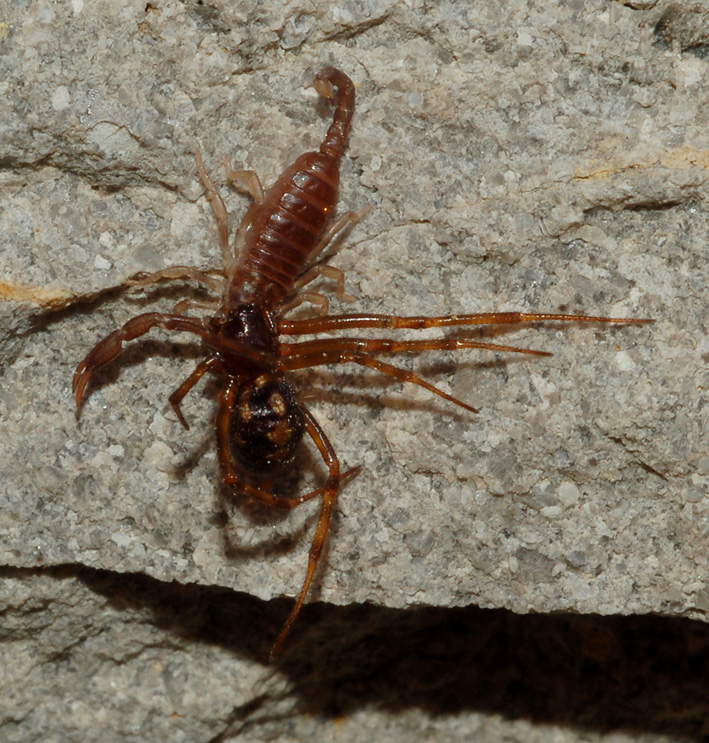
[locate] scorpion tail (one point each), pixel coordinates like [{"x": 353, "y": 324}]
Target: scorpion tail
[{"x": 336, "y": 137}]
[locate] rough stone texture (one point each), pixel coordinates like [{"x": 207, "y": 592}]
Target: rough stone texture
[{"x": 544, "y": 157}]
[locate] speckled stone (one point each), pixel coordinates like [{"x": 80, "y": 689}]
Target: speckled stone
[{"x": 553, "y": 158}]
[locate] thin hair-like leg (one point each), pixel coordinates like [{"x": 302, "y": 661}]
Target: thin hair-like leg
[
  {"x": 328, "y": 246},
  {"x": 218, "y": 207},
  {"x": 245, "y": 180},
  {"x": 194, "y": 304},
  {"x": 321, "y": 302},
  {"x": 213, "y": 278}
]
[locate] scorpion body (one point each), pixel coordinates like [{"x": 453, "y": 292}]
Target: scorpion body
[
  {"x": 281, "y": 233},
  {"x": 277, "y": 250},
  {"x": 289, "y": 224}
]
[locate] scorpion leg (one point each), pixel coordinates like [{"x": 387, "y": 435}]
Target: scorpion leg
[
  {"x": 240, "y": 237},
  {"x": 245, "y": 180},
  {"x": 335, "y": 233},
  {"x": 171, "y": 273},
  {"x": 320, "y": 301},
  {"x": 332, "y": 272},
  {"x": 316, "y": 298},
  {"x": 193, "y": 304},
  {"x": 219, "y": 209}
]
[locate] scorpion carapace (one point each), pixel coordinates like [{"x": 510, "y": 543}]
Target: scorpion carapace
[{"x": 277, "y": 250}]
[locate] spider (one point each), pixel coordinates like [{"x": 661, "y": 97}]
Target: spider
[{"x": 277, "y": 250}]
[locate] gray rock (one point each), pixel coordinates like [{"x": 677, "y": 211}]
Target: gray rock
[{"x": 550, "y": 159}]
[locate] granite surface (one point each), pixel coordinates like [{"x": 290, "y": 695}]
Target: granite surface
[{"x": 553, "y": 159}]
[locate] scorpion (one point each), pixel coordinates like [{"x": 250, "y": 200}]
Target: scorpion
[{"x": 280, "y": 246}]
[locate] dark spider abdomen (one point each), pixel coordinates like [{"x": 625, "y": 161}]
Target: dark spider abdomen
[{"x": 267, "y": 424}]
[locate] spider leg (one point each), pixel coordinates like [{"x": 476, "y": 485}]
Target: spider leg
[
  {"x": 109, "y": 348},
  {"x": 331, "y": 489},
  {"x": 178, "y": 395},
  {"x": 328, "y": 492},
  {"x": 404, "y": 375},
  {"x": 365, "y": 359},
  {"x": 330, "y": 347},
  {"x": 311, "y": 325},
  {"x": 360, "y": 351}
]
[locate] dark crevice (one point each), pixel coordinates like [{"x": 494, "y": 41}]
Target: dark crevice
[
  {"x": 346, "y": 34},
  {"x": 637, "y": 674},
  {"x": 652, "y": 206},
  {"x": 684, "y": 28}
]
